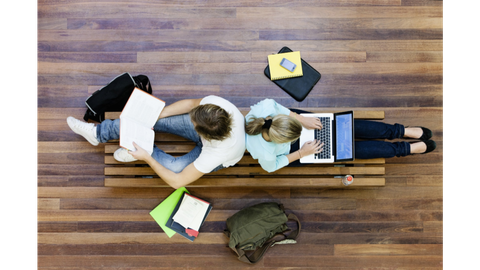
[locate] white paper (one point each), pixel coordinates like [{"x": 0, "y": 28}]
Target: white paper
[
  {"x": 132, "y": 131},
  {"x": 191, "y": 212},
  {"x": 137, "y": 119}
]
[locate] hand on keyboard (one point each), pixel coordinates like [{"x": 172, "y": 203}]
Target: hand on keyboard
[
  {"x": 311, "y": 147},
  {"x": 311, "y": 122}
]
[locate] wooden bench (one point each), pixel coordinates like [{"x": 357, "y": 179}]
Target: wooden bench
[{"x": 247, "y": 172}]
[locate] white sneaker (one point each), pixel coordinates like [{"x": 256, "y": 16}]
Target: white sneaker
[
  {"x": 87, "y": 130},
  {"x": 122, "y": 155}
]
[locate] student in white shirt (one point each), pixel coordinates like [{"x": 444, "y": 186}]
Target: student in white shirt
[{"x": 215, "y": 125}]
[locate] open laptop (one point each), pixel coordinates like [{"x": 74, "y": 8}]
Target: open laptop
[{"x": 337, "y": 135}]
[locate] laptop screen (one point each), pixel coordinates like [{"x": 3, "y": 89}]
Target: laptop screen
[{"x": 344, "y": 136}]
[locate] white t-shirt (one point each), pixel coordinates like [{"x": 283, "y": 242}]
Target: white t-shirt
[{"x": 229, "y": 151}]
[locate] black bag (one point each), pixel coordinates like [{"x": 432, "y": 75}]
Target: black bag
[
  {"x": 257, "y": 228},
  {"x": 298, "y": 87},
  {"x": 113, "y": 96}
]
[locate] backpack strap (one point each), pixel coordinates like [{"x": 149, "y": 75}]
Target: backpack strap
[{"x": 257, "y": 255}]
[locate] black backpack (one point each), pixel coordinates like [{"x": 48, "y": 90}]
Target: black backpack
[{"x": 113, "y": 96}]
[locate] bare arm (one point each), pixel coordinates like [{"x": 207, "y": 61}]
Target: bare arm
[
  {"x": 307, "y": 122},
  {"x": 179, "y": 107},
  {"x": 175, "y": 180},
  {"x": 312, "y": 147}
]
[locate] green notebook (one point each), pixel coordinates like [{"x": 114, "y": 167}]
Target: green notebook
[{"x": 162, "y": 212}]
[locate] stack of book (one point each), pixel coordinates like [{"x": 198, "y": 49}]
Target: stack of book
[{"x": 181, "y": 213}]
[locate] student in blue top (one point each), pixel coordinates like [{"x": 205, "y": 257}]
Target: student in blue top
[
  {"x": 270, "y": 130},
  {"x": 272, "y": 133}
]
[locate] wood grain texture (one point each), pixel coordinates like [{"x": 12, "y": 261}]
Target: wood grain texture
[{"x": 374, "y": 55}]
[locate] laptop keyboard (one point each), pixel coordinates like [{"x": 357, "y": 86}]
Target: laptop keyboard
[{"x": 323, "y": 135}]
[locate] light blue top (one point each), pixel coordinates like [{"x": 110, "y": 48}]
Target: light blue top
[{"x": 271, "y": 156}]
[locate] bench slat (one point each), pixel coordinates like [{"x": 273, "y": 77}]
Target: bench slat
[
  {"x": 249, "y": 182},
  {"x": 249, "y": 171},
  {"x": 248, "y": 160}
]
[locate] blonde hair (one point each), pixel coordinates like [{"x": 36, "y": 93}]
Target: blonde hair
[
  {"x": 284, "y": 129},
  {"x": 211, "y": 122}
]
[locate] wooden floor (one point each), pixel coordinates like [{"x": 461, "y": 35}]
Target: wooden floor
[{"x": 372, "y": 54}]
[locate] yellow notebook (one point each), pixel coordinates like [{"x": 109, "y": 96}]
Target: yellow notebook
[{"x": 278, "y": 72}]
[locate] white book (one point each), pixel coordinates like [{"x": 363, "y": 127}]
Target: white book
[
  {"x": 137, "y": 120},
  {"x": 191, "y": 212}
]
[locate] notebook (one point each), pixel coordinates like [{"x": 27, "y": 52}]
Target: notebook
[
  {"x": 188, "y": 233},
  {"x": 297, "y": 87},
  {"x": 337, "y": 135},
  {"x": 277, "y": 72},
  {"x": 162, "y": 212}
]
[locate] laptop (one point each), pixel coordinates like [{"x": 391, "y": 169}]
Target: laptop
[{"x": 337, "y": 135}]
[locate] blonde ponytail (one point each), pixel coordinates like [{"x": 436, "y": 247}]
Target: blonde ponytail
[{"x": 284, "y": 129}]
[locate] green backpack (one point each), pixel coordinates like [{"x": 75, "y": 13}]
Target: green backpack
[{"x": 257, "y": 228}]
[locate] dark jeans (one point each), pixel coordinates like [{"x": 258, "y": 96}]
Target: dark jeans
[{"x": 367, "y": 147}]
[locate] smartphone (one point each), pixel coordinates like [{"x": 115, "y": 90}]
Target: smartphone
[{"x": 288, "y": 65}]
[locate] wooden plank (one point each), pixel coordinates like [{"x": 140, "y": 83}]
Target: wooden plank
[
  {"x": 354, "y": 261},
  {"x": 125, "y": 238},
  {"x": 396, "y": 250},
  {"x": 126, "y": 249},
  {"x": 157, "y": 35},
  {"x": 247, "y": 3},
  {"x": 248, "y": 182},
  {"x": 243, "y": 68},
  {"x": 105, "y": 10},
  {"x": 405, "y": 57},
  {"x": 88, "y": 57},
  {"x": 246, "y": 160},
  {"x": 264, "y": 45},
  {"x": 157, "y": 193},
  {"x": 352, "y": 34},
  {"x": 255, "y": 171},
  {"x": 339, "y": 12},
  {"x": 234, "y": 24}
]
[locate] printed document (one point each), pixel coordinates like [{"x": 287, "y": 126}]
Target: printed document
[{"x": 191, "y": 212}]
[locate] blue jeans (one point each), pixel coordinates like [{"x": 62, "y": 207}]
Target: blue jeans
[
  {"x": 180, "y": 125},
  {"x": 368, "y": 147}
]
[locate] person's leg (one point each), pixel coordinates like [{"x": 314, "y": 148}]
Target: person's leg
[
  {"x": 175, "y": 164},
  {"x": 381, "y": 149},
  {"x": 108, "y": 130},
  {"x": 84, "y": 129},
  {"x": 367, "y": 129},
  {"x": 180, "y": 125}
]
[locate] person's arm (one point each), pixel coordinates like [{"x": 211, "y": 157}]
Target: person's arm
[
  {"x": 179, "y": 107},
  {"x": 175, "y": 180},
  {"x": 307, "y": 122},
  {"x": 311, "y": 147}
]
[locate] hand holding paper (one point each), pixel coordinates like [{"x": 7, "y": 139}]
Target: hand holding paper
[
  {"x": 137, "y": 119},
  {"x": 139, "y": 153}
]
